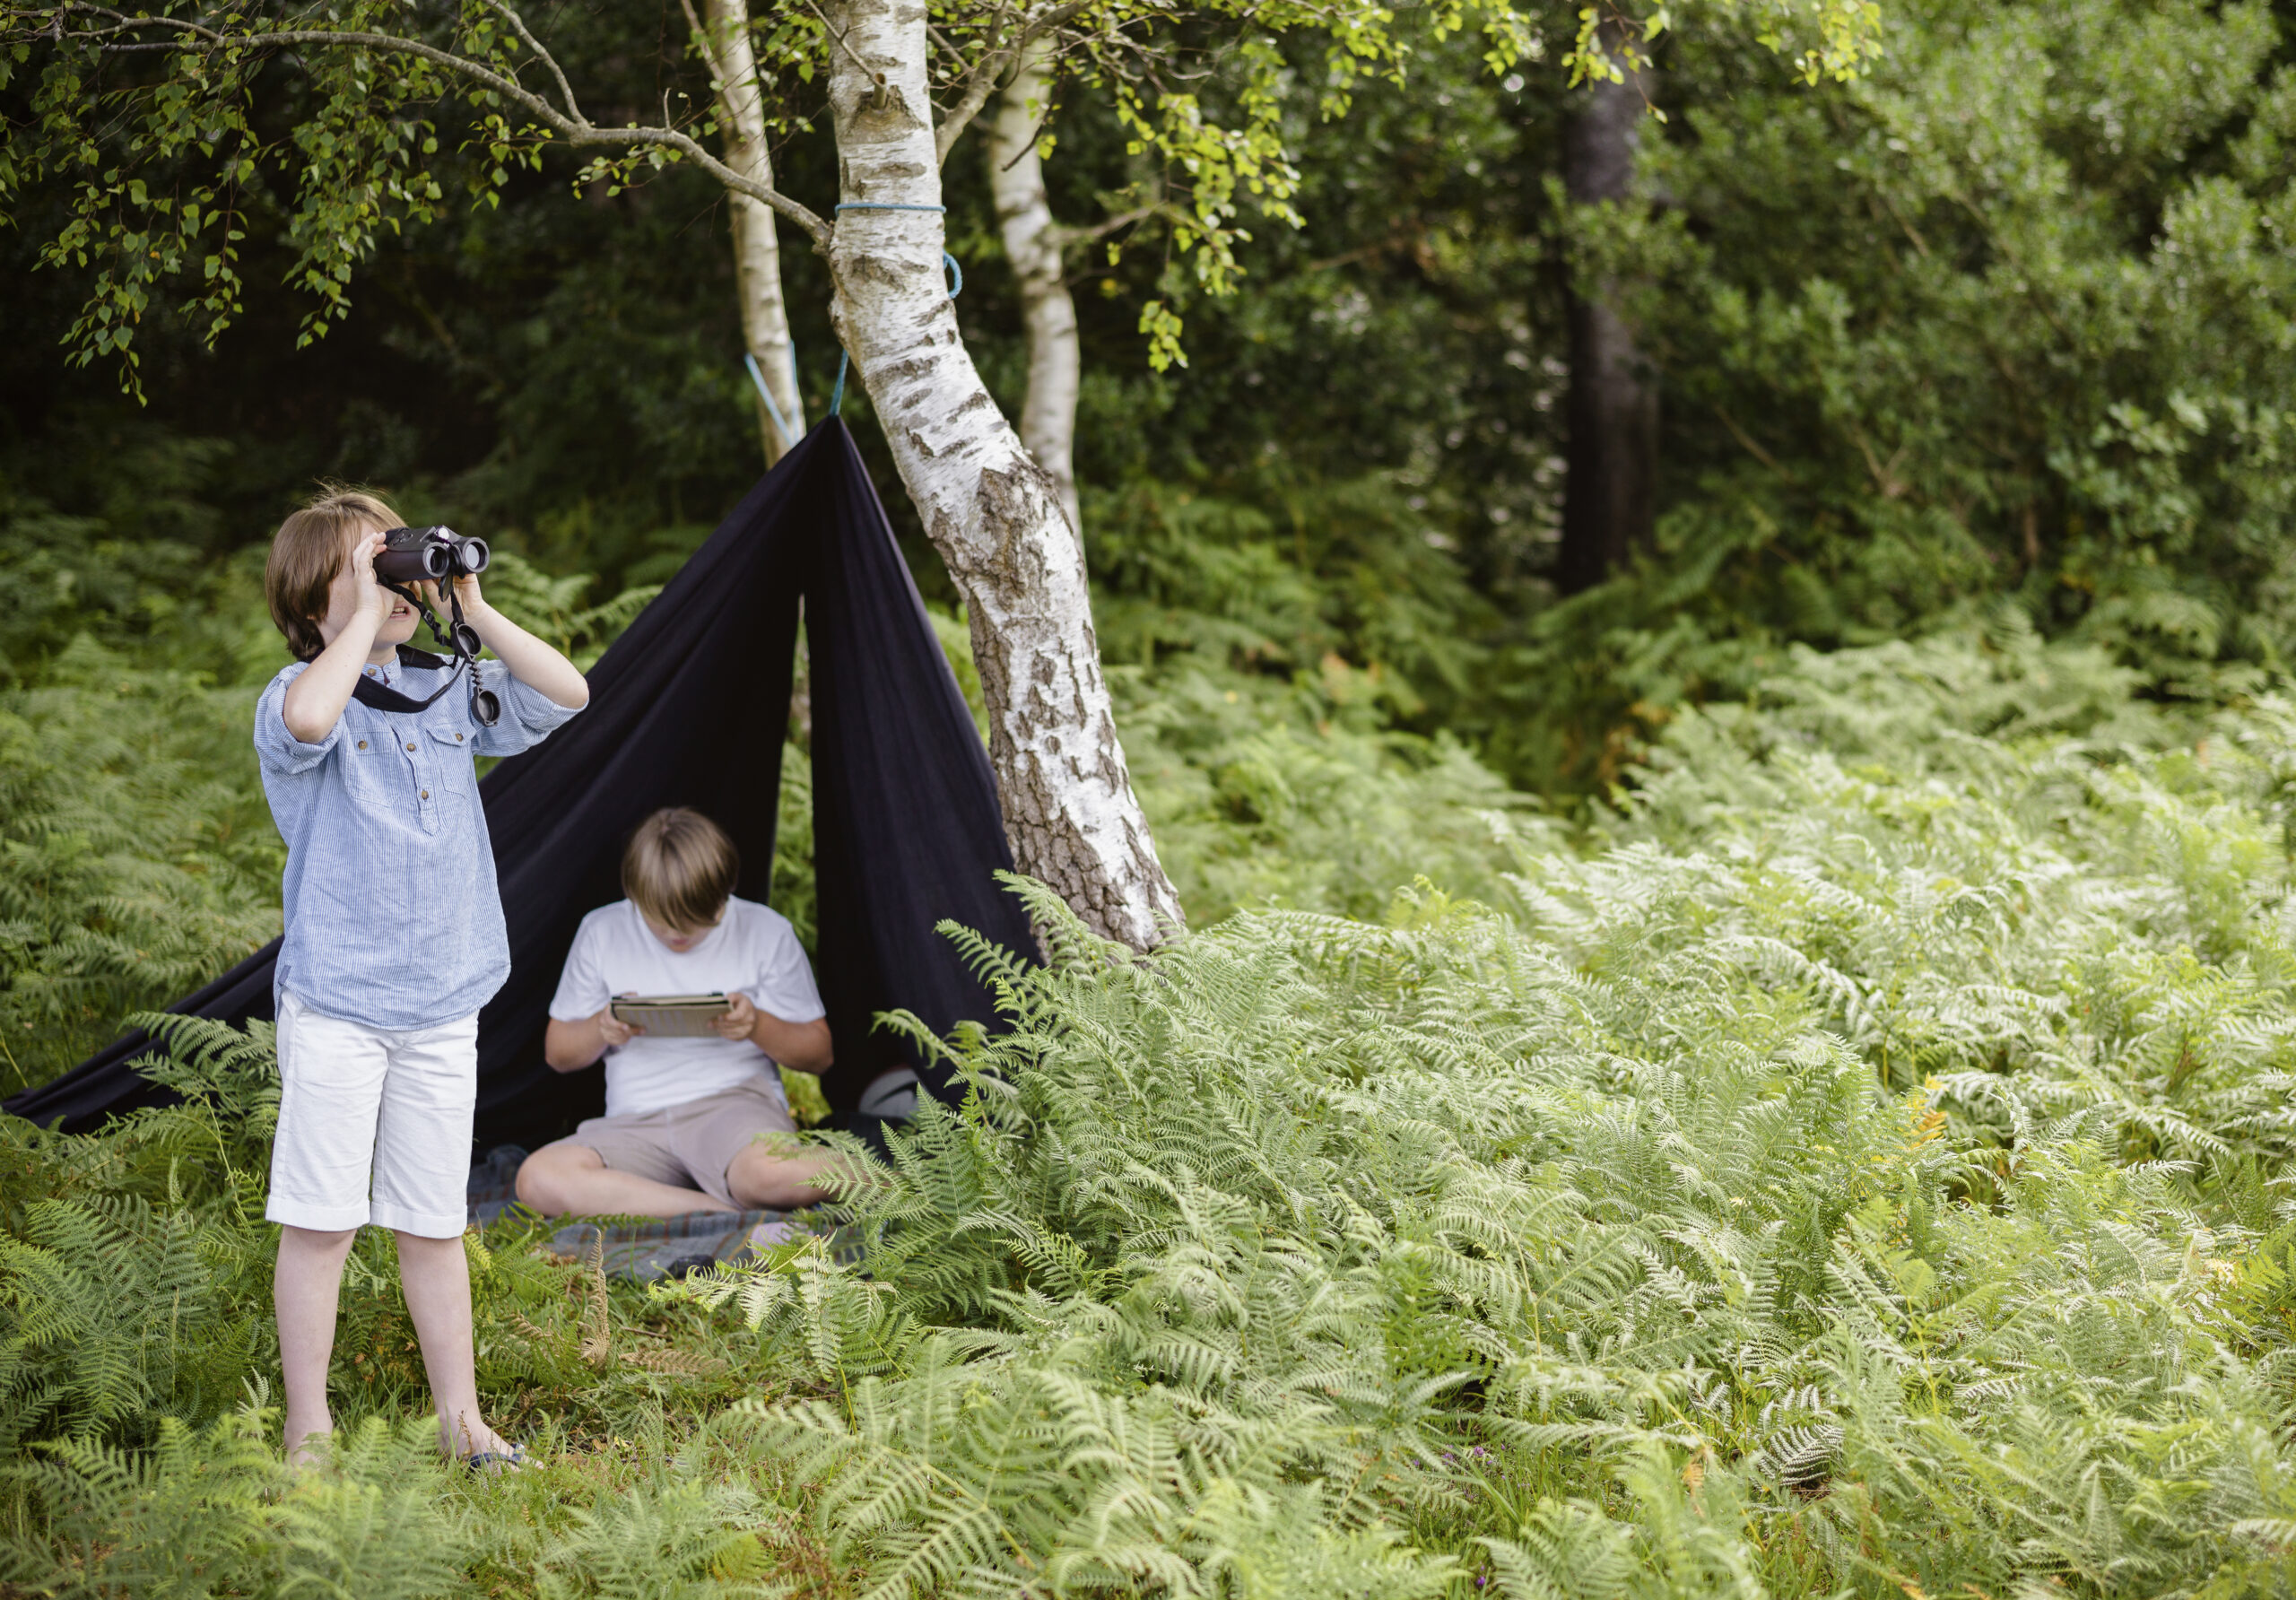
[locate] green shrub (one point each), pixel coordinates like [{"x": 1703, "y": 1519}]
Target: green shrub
[
  {"x": 1856, "y": 1170},
  {"x": 1300, "y": 794},
  {"x": 140, "y": 856},
  {"x": 1304, "y": 1232}
]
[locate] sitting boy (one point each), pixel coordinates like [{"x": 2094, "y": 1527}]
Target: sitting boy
[{"x": 683, "y": 1116}]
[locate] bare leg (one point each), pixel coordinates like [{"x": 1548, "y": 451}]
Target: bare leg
[
  {"x": 436, "y": 1275},
  {"x": 306, "y": 1284},
  {"x": 764, "y": 1178},
  {"x": 573, "y": 1178}
]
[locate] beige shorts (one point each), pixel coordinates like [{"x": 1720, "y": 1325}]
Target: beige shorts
[{"x": 688, "y": 1146}]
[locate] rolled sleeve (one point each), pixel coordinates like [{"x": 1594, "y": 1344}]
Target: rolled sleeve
[
  {"x": 275, "y": 747},
  {"x": 528, "y": 716}
]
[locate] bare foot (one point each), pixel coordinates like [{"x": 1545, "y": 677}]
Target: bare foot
[
  {"x": 470, "y": 1441},
  {"x": 307, "y": 1445}
]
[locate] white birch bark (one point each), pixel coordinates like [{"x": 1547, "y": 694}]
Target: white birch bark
[
  {"x": 1033, "y": 245},
  {"x": 991, "y": 511},
  {"x": 724, "y": 38}
]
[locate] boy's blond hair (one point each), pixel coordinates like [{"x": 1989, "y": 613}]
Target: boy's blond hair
[
  {"x": 307, "y": 552},
  {"x": 680, "y": 869}
]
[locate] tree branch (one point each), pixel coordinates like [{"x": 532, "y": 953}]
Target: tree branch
[
  {"x": 565, "y": 91},
  {"x": 1753, "y": 450},
  {"x": 972, "y": 93},
  {"x": 570, "y": 125},
  {"x": 989, "y": 72},
  {"x": 1069, "y": 236},
  {"x": 876, "y": 76},
  {"x": 701, "y": 40}
]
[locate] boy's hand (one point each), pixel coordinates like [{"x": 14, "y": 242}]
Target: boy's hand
[
  {"x": 740, "y": 1020},
  {"x": 531, "y": 661},
  {"x": 373, "y": 598},
  {"x": 612, "y": 1029}
]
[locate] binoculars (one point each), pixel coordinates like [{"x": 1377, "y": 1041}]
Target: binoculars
[
  {"x": 439, "y": 555},
  {"x": 429, "y": 555}
]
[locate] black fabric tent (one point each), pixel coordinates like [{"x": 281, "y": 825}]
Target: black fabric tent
[{"x": 689, "y": 707}]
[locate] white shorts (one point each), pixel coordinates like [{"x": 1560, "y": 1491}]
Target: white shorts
[{"x": 357, "y": 1101}]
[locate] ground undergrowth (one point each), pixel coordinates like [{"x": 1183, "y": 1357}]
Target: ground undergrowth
[{"x": 1854, "y": 1163}]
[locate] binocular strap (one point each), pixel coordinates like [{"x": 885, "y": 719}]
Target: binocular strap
[
  {"x": 383, "y": 697},
  {"x": 461, "y": 638},
  {"x": 485, "y": 709}
]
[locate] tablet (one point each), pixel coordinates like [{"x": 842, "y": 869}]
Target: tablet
[{"x": 671, "y": 1016}]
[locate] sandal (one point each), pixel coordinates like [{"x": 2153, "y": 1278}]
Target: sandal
[{"x": 493, "y": 1463}]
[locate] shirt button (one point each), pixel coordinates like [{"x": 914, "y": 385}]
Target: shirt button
[
  {"x": 426, "y": 794},
  {"x": 410, "y": 747},
  {"x": 458, "y": 738},
  {"x": 363, "y": 743}
]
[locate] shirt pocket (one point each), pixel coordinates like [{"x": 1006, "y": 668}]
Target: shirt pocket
[
  {"x": 375, "y": 770},
  {"x": 450, "y": 759}
]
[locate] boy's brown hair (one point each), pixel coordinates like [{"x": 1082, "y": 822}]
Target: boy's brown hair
[
  {"x": 307, "y": 552},
  {"x": 679, "y": 868}
]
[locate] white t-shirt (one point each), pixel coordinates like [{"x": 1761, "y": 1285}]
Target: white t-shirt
[{"x": 751, "y": 952}]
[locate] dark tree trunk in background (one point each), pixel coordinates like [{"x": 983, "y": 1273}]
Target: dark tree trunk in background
[{"x": 1614, "y": 401}]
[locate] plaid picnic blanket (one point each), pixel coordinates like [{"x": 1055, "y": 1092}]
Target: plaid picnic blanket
[
  {"x": 490, "y": 1192},
  {"x": 646, "y": 1248}
]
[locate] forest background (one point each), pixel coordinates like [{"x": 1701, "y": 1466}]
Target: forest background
[
  {"x": 2004, "y": 327},
  {"x": 1767, "y": 1074}
]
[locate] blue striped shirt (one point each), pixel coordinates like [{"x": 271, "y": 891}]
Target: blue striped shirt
[{"x": 392, "y": 917}]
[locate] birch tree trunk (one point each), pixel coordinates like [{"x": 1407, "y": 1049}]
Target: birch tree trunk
[
  {"x": 757, "y": 252},
  {"x": 992, "y": 512},
  {"x": 1033, "y": 245}
]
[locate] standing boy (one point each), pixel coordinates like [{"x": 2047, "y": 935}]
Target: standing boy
[
  {"x": 393, "y": 940},
  {"x": 686, "y": 1119}
]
